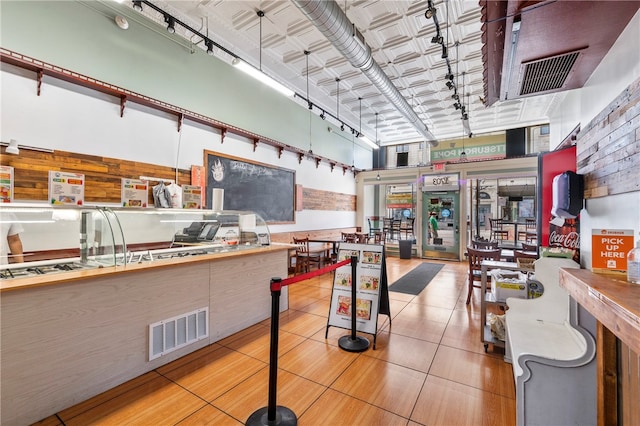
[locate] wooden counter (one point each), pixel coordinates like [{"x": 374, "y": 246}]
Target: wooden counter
[
  {"x": 69, "y": 336},
  {"x": 615, "y": 303},
  {"x": 612, "y": 301}
]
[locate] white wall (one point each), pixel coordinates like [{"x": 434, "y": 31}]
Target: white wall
[
  {"x": 70, "y": 118},
  {"x": 619, "y": 68}
]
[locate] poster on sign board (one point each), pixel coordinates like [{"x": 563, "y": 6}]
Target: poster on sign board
[
  {"x": 6, "y": 184},
  {"x": 134, "y": 192},
  {"x": 368, "y": 287},
  {"x": 66, "y": 188}
]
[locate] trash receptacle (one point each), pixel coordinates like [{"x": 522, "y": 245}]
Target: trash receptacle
[{"x": 405, "y": 249}]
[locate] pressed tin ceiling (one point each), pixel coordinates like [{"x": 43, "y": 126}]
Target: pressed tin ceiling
[{"x": 496, "y": 91}]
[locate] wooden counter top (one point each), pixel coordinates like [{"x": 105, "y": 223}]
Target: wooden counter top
[
  {"x": 70, "y": 276},
  {"x": 611, "y": 300}
]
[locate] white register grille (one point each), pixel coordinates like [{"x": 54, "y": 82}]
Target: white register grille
[{"x": 174, "y": 333}]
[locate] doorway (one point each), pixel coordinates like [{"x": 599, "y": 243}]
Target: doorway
[{"x": 446, "y": 206}]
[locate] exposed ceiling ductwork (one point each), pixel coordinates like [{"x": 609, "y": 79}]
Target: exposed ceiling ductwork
[{"x": 345, "y": 37}]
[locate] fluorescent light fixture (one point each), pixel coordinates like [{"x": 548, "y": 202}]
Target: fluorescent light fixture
[
  {"x": 259, "y": 75},
  {"x": 368, "y": 141}
]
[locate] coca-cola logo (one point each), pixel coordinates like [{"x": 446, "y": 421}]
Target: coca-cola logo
[{"x": 570, "y": 240}]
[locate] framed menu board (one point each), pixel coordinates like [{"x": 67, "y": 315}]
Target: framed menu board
[{"x": 261, "y": 188}]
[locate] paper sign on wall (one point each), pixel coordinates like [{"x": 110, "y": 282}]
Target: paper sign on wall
[
  {"x": 66, "y": 188},
  {"x": 191, "y": 197},
  {"x": 6, "y": 184},
  {"x": 610, "y": 248},
  {"x": 134, "y": 193}
]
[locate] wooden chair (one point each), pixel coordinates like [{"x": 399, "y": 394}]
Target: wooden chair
[
  {"x": 386, "y": 225},
  {"x": 304, "y": 258},
  {"x": 530, "y": 247},
  {"x": 524, "y": 259},
  {"x": 407, "y": 227},
  {"x": 497, "y": 230},
  {"x": 362, "y": 238},
  {"x": 379, "y": 237},
  {"x": 484, "y": 245},
  {"x": 476, "y": 257},
  {"x": 349, "y": 237},
  {"x": 531, "y": 233},
  {"x": 395, "y": 229},
  {"x": 372, "y": 230}
]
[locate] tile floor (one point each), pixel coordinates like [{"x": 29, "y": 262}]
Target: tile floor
[{"x": 429, "y": 368}]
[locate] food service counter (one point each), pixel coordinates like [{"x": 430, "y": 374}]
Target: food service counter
[{"x": 71, "y": 335}]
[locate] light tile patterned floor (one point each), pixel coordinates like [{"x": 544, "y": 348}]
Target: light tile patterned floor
[{"x": 429, "y": 368}]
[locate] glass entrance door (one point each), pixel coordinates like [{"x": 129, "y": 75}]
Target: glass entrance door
[{"x": 441, "y": 240}]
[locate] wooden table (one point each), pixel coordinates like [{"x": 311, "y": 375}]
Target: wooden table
[{"x": 615, "y": 304}]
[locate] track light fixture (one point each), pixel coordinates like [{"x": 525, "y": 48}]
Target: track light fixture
[
  {"x": 137, "y": 5},
  {"x": 445, "y": 55},
  {"x": 457, "y": 105},
  {"x": 449, "y": 76},
  {"x": 322, "y": 116},
  {"x": 455, "y": 96},
  {"x": 171, "y": 23},
  {"x": 450, "y": 85},
  {"x": 342, "y": 127},
  {"x": 310, "y": 105},
  {"x": 431, "y": 11},
  {"x": 209, "y": 44},
  {"x": 437, "y": 39}
]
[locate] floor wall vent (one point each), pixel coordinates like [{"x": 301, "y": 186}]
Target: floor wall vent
[{"x": 174, "y": 333}]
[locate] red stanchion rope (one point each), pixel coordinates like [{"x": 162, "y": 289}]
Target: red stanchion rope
[{"x": 276, "y": 286}]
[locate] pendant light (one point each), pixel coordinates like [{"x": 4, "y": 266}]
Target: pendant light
[{"x": 257, "y": 73}]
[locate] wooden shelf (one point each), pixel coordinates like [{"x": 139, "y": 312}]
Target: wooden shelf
[{"x": 612, "y": 301}]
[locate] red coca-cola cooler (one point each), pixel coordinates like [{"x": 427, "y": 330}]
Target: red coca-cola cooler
[{"x": 566, "y": 236}]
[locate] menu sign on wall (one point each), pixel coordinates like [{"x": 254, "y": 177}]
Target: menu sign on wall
[
  {"x": 368, "y": 285},
  {"x": 610, "y": 248},
  {"x": 6, "y": 184},
  {"x": 191, "y": 197},
  {"x": 66, "y": 188},
  {"x": 134, "y": 193}
]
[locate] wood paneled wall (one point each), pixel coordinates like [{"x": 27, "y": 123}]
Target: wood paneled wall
[
  {"x": 102, "y": 174},
  {"x": 608, "y": 148},
  {"x": 314, "y": 199}
]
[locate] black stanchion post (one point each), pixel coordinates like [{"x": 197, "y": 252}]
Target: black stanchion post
[
  {"x": 353, "y": 343},
  {"x": 272, "y": 414}
]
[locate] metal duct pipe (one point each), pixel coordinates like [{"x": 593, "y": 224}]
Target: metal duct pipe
[{"x": 327, "y": 16}]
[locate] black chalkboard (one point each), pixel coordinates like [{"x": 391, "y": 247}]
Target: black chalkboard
[{"x": 260, "y": 188}]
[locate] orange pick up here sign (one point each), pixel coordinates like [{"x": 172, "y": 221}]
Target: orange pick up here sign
[{"x": 610, "y": 248}]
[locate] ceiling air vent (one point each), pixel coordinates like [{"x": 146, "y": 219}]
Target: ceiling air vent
[{"x": 547, "y": 74}]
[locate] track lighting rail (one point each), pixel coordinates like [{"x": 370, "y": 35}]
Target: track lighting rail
[
  {"x": 43, "y": 68},
  {"x": 210, "y": 44}
]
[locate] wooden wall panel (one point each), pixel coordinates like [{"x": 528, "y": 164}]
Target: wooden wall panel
[
  {"x": 314, "y": 199},
  {"x": 102, "y": 174},
  {"x": 608, "y": 148}
]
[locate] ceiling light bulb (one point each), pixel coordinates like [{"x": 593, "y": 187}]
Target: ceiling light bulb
[{"x": 378, "y": 177}]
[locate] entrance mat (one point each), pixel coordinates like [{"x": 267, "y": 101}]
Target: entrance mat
[{"x": 417, "y": 279}]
